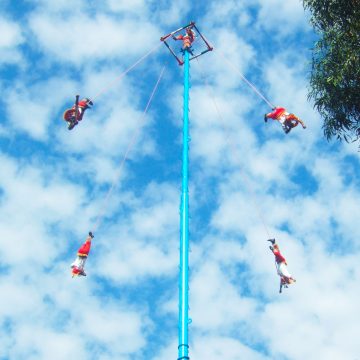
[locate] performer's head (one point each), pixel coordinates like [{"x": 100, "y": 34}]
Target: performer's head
[{"x": 189, "y": 31}]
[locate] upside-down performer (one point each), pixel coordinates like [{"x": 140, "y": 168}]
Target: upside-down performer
[
  {"x": 187, "y": 39},
  {"x": 281, "y": 266},
  {"x": 287, "y": 120},
  {"x": 77, "y": 267},
  {"x": 78, "y": 109}
]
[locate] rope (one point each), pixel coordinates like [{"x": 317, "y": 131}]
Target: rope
[
  {"x": 234, "y": 151},
  {"x": 131, "y": 143},
  {"x": 251, "y": 85},
  {"x": 125, "y": 72}
]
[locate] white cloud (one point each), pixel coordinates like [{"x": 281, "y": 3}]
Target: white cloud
[
  {"x": 282, "y": 17},
  {"x": 135, "y": 6},
  {"x": 81, "y": 39},
  {"x": 224, "y": 308},
  {"x": 29, "y": 116},
  {"x": 61, "y": 6},
  {"x": 147, "y": 242},
  {"x": 35, "y": 341},
  {"x": 172, "y": 16},
  {"x": 10, "y": 34},
  {"x": 11, "y": 38},
  {"x": 31, "y": 192},
  {"x": 228, "y": 14},
  {"x": 31, "y": 108},
  {"x": 215, "y": 347}
]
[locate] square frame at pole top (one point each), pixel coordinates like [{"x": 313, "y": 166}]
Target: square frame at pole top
[{"x": 171, "y": 35}]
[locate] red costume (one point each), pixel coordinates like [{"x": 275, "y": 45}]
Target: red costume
[
  {"x": 187, "y": 39},
  {"x": 276, "y": 113},
  {"x": 278, "y": 257},
  {"x": 82, "y": 106},
  {"x": 288, "y": 121},
  {"x": 281, "y": 266},
  {"x": 78, "y": 265},
  {"x": 85, "y": 248},
  {"x": 69, "y": 114}
]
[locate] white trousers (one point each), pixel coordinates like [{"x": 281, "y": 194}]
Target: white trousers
[
  {"x": 79, "y": 262},
  {"x": 282, "y": 118},
  {"x": 283, "y": 270}
]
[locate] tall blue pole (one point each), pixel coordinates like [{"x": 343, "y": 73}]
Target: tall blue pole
[{"x": 183, "y": 348}]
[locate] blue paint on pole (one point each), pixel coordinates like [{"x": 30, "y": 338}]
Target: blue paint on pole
[{"x": 183, "y": 348}]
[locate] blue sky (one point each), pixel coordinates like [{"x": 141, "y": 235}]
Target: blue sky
[{"x": 248, "y": 181}]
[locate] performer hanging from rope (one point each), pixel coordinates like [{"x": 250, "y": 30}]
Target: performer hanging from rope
[
  {"x": 281, "y": 266},
  {"x": 287, "y": 120},
  {"x": 187, "y": 39},
  {"x": 78, "y": 265},
  {"x": 78, "y": 109}
]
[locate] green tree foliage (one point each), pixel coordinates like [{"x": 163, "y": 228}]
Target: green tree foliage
[{"x": 335, "y": 74}]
